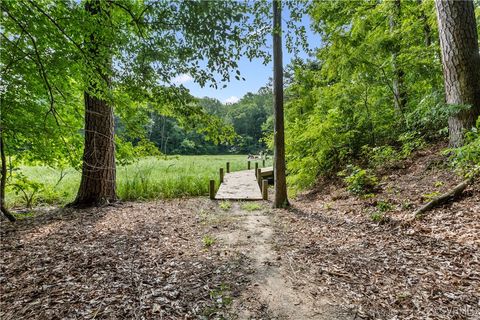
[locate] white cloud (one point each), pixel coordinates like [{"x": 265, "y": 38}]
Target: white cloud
[
  {"x": 182, "y": 79},
  {"x": 231, "y": 100}
]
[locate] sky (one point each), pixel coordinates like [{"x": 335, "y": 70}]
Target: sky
[{"x": 256, "y": 74}]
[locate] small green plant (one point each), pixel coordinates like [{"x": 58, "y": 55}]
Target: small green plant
[
  {"x": 407, "y": 205},
  {"x": 221, "y": 299},
  {"x": 430, "y": 196},
  {"x": 359, "y": 181},
  {"x": 251, "y": 206},
  {"x": 438, "y": 184},
  {"x": 26, "y": 188},
  {"x": 384, "y": 206},
  {"x": 411, "y": 141},
  {"x": 225, "y": 205},
  {"x": 466, "y": 159},
  {"x": 208, "y": 240},
  {"x": 377, "y": 216}
]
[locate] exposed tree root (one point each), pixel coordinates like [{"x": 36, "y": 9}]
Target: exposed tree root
[
  {"x": 452, "y": 194},
  {"x": 8, "y": 215}
]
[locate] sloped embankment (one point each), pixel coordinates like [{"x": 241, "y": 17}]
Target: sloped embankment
[{"x": 424, "y": 269}]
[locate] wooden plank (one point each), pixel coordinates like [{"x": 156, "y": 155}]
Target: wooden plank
[
  {"x": 266, "y": 172},
  {"x": 240, "y": 185}
]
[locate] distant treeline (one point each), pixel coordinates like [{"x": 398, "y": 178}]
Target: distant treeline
[{"x": 249, "y": 118}]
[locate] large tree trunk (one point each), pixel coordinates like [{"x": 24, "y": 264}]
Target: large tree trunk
[
  {"x": 97, "y": 186},
  {"x": 399, "y": 91},
  {"x": 281, "y": 199},
  {"x": 3, "y": 180},
  {"x": 461, "y": 63}
]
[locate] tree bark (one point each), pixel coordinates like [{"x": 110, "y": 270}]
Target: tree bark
[
  {"x": 281, "y": 199},
  {"x": 97, "y": 186},
  {"x": 399, "y": 92},
  {"x": 3, "y": 180},
  {"x": 461, "y": 63}
]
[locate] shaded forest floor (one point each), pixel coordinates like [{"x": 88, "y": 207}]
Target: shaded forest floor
[{"x": 325, "y": 258}]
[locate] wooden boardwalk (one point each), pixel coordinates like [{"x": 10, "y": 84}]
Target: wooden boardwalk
[{"x": 240, "y": 185}]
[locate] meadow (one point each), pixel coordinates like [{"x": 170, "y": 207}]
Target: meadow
[{"x": 147, "y": 179}]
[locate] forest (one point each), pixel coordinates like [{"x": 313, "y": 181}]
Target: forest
[{"x": 113, "y": 174}]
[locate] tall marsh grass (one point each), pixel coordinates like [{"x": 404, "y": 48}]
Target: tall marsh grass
[{"x": 149, "y": 178}]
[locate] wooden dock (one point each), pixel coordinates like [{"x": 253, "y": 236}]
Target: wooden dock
[{"x": 240, "y": 185}]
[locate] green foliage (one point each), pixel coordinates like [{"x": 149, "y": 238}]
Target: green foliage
[
  {"x": 410, "y": 141},
  {"x": 359, "y": 181},
  {"x": 147, "y": 178},
  {"x": 208, "y": 240},
  {"x": 377, "y": 216},
  {"x": 251, "y": 206},
  {"x": 466, "y": 159},
  {"x": 221, "y": 298},
  {"x": 384, "y": 206},
  {"x": 26, "y": 188},
  {"x": 225, "y": 205},
  {"x": 430, "y": 196},
  {"x": 340, "y": 106}
]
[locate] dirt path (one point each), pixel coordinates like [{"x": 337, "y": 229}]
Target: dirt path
[{"x": 272, "y": 294}]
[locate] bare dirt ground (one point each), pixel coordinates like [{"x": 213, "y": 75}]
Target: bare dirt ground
[{"x": 324, "y": 258}]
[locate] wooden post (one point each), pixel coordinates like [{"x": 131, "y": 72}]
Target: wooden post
[
  {"x": 259, "y": 177},
  {"x": 212, "y": 189},
  {"x": 228, "y": 167},
  {"x": 248, "y": 164},
  {"x": 263, "y": 163},
  {"x": 265, "y": 189},
  {"x": 256, "y": 168},
  {"x": 221, "y": 175}
]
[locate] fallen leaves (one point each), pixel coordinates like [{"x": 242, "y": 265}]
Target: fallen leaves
[{"x": 133, "y": 261}]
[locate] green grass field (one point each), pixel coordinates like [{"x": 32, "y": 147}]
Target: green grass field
[{"x": 149, "y": 178}]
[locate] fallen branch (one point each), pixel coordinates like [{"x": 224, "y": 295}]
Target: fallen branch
[{"x": 452, "y": 194}]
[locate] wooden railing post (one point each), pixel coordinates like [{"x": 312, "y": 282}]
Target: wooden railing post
[
  {"x": 256, "y": 168},
  {"x": 228, "y": 167},
  {"x": 212, "y": 189},
  {"x": 265, "y": 189},
  {"x": 259, "y": 177},
  {"x": 221, "y": 175},
  {"x": 263, "y": 163},
  {"x": 248, "y": 164}
]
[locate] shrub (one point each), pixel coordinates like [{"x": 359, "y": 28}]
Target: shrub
[
  {"x": 383, "y": 156},
  {"x": 466, "y": 159},
  {"x": 411, "y": 141},
  {"x": 359, "y": 181},
  {"x": 26, "y": 188}
]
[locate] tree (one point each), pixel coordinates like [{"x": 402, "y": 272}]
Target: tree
[
  {"x": 461, "y": 64},
  {"x": 3, "y": 181},
  {"x": 281, "y": 199},
  {"x": 98, "y": 181},
  {"x": 39, "y": 97},
  {"x": 398, "y": 85}
]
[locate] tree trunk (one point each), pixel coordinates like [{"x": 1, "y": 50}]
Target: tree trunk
[
  {"x": 97, "y": 186},
  {"x": 461, "y": 63},
  {"x": 3, "y": 180},
  {"x": 281, "y": 199},
  {"x": 399, "y": 92}
]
